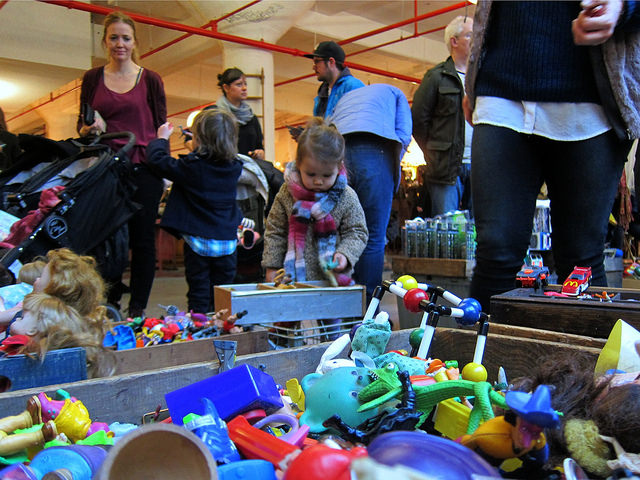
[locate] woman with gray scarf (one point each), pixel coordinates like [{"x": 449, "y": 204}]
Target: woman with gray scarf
[{"x": 233, "y": 84}]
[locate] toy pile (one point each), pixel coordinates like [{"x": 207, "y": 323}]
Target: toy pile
[
  {"x": 370, "y": 415},
  {"x": 176, "y": 326}
]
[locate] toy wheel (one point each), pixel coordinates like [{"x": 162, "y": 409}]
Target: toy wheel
[{"x": 113, "y": 313}]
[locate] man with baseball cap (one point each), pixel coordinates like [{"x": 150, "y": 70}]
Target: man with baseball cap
[{"x": 328, "y": 64}]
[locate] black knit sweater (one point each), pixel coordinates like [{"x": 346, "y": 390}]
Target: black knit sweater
[{"x": 530, "y": 54}]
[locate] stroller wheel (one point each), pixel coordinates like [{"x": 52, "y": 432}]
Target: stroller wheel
[{"x": 113, "y": 313}]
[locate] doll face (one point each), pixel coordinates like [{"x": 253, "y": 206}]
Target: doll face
[
  {"x": 43, "y": 280},
  {"x": 27, "y": 325},
  {"x": 120, "y": 41},
  {"x": 317, "y": 176}
]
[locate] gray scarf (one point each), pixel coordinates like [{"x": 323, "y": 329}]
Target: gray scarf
[{"x": 243, "y": 113}]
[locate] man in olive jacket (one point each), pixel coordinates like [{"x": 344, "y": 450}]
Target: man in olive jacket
[{"x": 439, "y": 126}]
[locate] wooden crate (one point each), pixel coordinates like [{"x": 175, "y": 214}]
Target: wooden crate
[
  {"x": 125, "y": 398},
  {"x": 439, "y": 267},
  {"x": 592, "y": 318},
  {"x": 308, "y": 301},
  {"x": 70, "y": 364}
]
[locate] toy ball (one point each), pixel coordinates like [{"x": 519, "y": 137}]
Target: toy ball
[
  {"x": 474, "y": 372},
  {"x": 413, "y": 298},
  {"x": 408, "y": 282},
  {"x": 438, "y": 457},
  {"x": 472, "y": 310},
  {"x": 415, "y": 338}
]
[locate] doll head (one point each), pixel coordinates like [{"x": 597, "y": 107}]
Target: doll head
[
  {"x": 54, "y": 325},
  {"x": 42, "y": 313},
  {"x": 72, "y": 278},
  {"x": 31, "y": 271}
]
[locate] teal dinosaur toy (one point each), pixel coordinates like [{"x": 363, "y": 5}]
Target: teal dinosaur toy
[{"x": 385, "y": 386}]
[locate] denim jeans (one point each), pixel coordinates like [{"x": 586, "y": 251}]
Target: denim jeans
[
  {"x": 444, "y": 198},
  {"x": 508, "y": 170},
  {"x": 370, "y": 162}
]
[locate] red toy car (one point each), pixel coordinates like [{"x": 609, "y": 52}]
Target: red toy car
[
  {"x": 532, "y": 277},
  {"x": 577, "y": 282}
]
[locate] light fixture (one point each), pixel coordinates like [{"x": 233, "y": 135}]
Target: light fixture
[
  {"x": 7, "y": 89},
  {"x": 191, "y": 116}
]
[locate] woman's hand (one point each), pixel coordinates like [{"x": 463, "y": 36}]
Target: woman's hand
[
  {"x": 98, "y": 127},
  {"x": 257, "y": 154},
  {"x": 596, "y": 22},
  {"x": 165, "y": 130},
  {"x": 342, "y": 262},
  {"x": 466, "y": 108}
]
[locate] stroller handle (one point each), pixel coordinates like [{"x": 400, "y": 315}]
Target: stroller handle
[{"x": 110, "y": 136}]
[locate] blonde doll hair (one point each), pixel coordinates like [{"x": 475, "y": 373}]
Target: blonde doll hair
[
  {"x": 60, "y": 326},
  {"x": 75, "y": 280},
  {"x": 30, "y": 272}
]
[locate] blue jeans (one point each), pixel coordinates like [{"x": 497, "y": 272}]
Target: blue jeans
[
  {"x": 371, "y": 162},
  {"x": 444, "y": 198},
  {"x": 508, "y": 170}
]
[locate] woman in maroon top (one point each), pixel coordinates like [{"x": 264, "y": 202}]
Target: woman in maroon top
[{"x": 127, "y": 97}]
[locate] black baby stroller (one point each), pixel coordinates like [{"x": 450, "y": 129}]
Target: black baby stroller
[{"x": 91, "y": 217}]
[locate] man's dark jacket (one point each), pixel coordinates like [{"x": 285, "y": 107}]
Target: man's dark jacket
[{"x": 438, "y": 122}]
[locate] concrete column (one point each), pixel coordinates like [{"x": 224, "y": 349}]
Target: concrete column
[{"x": 253, "y": 61}]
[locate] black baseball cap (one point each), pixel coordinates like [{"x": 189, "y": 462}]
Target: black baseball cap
[{"x": 327, "y": 50}]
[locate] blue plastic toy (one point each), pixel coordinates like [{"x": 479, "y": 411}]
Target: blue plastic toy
[
  {"x": 232, "y": 392},
  {"x": 212, "y": 430}
]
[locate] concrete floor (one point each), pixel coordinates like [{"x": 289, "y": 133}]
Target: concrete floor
[{"x": 170, "y": 288}]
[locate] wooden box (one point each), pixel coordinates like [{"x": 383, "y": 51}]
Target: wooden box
[
  {"x": 308, "y": 301},
  {"x": 67, "y": 365},
  {"x": 125, "y": 398},
  {"x": 526, "y": 308}
]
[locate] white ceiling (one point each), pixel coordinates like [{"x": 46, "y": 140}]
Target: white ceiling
[{"x": 43, "y": 47}]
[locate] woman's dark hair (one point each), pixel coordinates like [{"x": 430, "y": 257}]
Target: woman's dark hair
[
  {"x": 3, "y": 123},
  {"x": 229, "y": 76}
]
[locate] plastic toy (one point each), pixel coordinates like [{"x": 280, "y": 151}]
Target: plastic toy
[
  {"x": 80, "y": 462},
  {"x": 439, "y": 458},
  {"x": 577, "y": 282},
  {"x": 405, "y": 417},
  {"x": 335, "y": 392},
  {"x": 11, "y": 443},
  {"x": 212, "y": 430},
  {"x": 519, "y": 432},
  {"x": 254, "y": 444},
  {"x": 232, "y": 392},
  {"x": 321, "y": 462},
  {"x": 386, "y": 386},
  {"x": 245, "y": 469}
]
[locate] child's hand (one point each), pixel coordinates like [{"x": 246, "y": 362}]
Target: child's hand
[
  {"x": 270, "y": 274},
  {"x": 257, "y": 154},
  {"x": 165, "y": 130},
  {"x": 342, "y": 262}
]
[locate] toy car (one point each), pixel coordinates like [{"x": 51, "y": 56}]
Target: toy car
[
  {"x": 577, "y": 282},
  {"x": 533, "y": 277}
]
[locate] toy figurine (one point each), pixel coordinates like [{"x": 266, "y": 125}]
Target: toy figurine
[
  {"x": 518, "y": 432},
  {"x": 405, "y": 417},
  {"x": 10, "y": 444}
]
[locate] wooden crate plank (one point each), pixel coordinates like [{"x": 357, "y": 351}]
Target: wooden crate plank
[
  {"x": 590, "y": 318},
  {"x": 67, "y": 365},
  {"x": 126, "y": 398},
  {"x": 171, "y": 354},
  {"x": 442, "y": 267}
]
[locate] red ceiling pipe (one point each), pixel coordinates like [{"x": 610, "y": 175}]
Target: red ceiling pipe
[
  {"x": 3, "y": 3},
  {"x": 213, "y": 24},
  {"x": 173, "y": 42},
  {"x": 405, "y": 22},
  {"x": 87, "y": 7},
  {"x": 51, "y": 99}
]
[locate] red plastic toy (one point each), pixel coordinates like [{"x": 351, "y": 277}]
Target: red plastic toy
[{"x": 577, "y": 282}]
